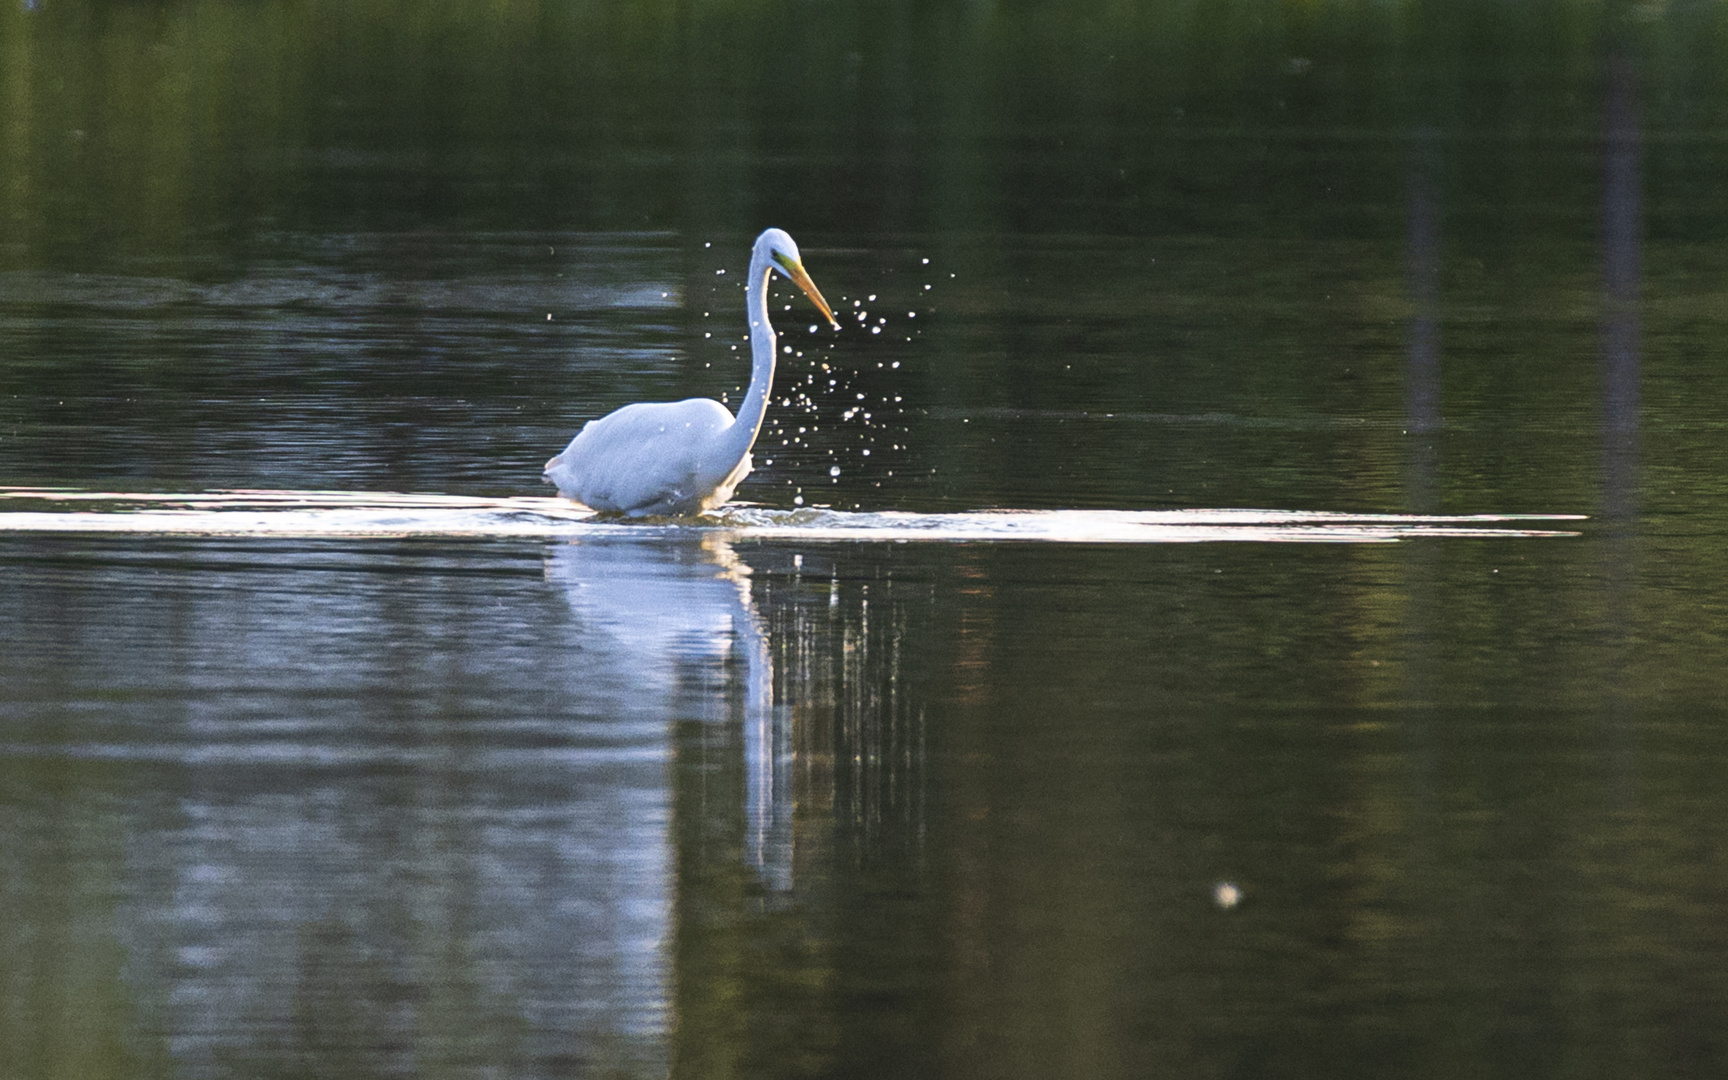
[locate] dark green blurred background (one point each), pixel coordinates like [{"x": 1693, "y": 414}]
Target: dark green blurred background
[{"x": 182, "y": 130}]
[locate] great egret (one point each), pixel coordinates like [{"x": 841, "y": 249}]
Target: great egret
[{"x": 684, "y": 457}]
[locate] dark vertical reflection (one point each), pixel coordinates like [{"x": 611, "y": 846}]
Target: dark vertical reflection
[
  {"x": 1422, "y": 368},
  {"x": 1618, "y": 834},
  {"x": 799, "y": 832},
  {"x": 1622, "y": 237},
  {"x": 1420, "y": 569}
]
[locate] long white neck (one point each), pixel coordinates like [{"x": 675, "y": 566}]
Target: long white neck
[{"x": 762, "y": 345}]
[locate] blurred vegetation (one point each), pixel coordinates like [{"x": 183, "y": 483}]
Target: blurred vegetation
[{"x": 166, "y": 128}]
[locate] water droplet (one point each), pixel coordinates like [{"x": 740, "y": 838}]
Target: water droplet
[{"x": 833, "y": 470}]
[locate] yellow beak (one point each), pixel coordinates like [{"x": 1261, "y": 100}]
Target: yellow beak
[{"x": 795, "y": 271}]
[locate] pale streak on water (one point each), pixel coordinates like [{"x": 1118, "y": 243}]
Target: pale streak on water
[
  {"x": 312, "y": 514},
  {"x": 565, "y": 800}
]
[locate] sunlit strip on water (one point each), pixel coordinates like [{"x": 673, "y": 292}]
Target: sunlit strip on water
[
  {"x": 312, "y": 514},
  {"x": 300, "y": 754}
]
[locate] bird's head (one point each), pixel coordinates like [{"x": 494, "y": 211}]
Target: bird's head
[{"x": 782, "y": 255}]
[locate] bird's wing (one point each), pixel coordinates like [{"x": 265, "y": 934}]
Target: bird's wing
[{"x": 645, "y": 458}]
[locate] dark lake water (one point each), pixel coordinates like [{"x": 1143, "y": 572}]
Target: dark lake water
[{"x": 1243, "y": 595}]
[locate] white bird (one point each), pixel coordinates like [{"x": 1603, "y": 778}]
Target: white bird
[{"x": 684, "y": 457}]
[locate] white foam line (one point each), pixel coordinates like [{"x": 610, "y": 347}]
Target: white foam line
[
  {"x": 286, "y": 523},
  {"x": 1152, "y": 534},
  {"x": 242, "y": 498},
  {"x": 316, "y": 514}
]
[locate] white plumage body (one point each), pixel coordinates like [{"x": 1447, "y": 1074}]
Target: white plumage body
[{"x": 651, "y": 458}]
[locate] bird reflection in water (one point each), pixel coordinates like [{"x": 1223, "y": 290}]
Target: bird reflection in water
[{"x": 666, "y": 611}]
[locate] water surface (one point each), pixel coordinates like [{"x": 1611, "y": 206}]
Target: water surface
[{"x": 1242, "y": 595}]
